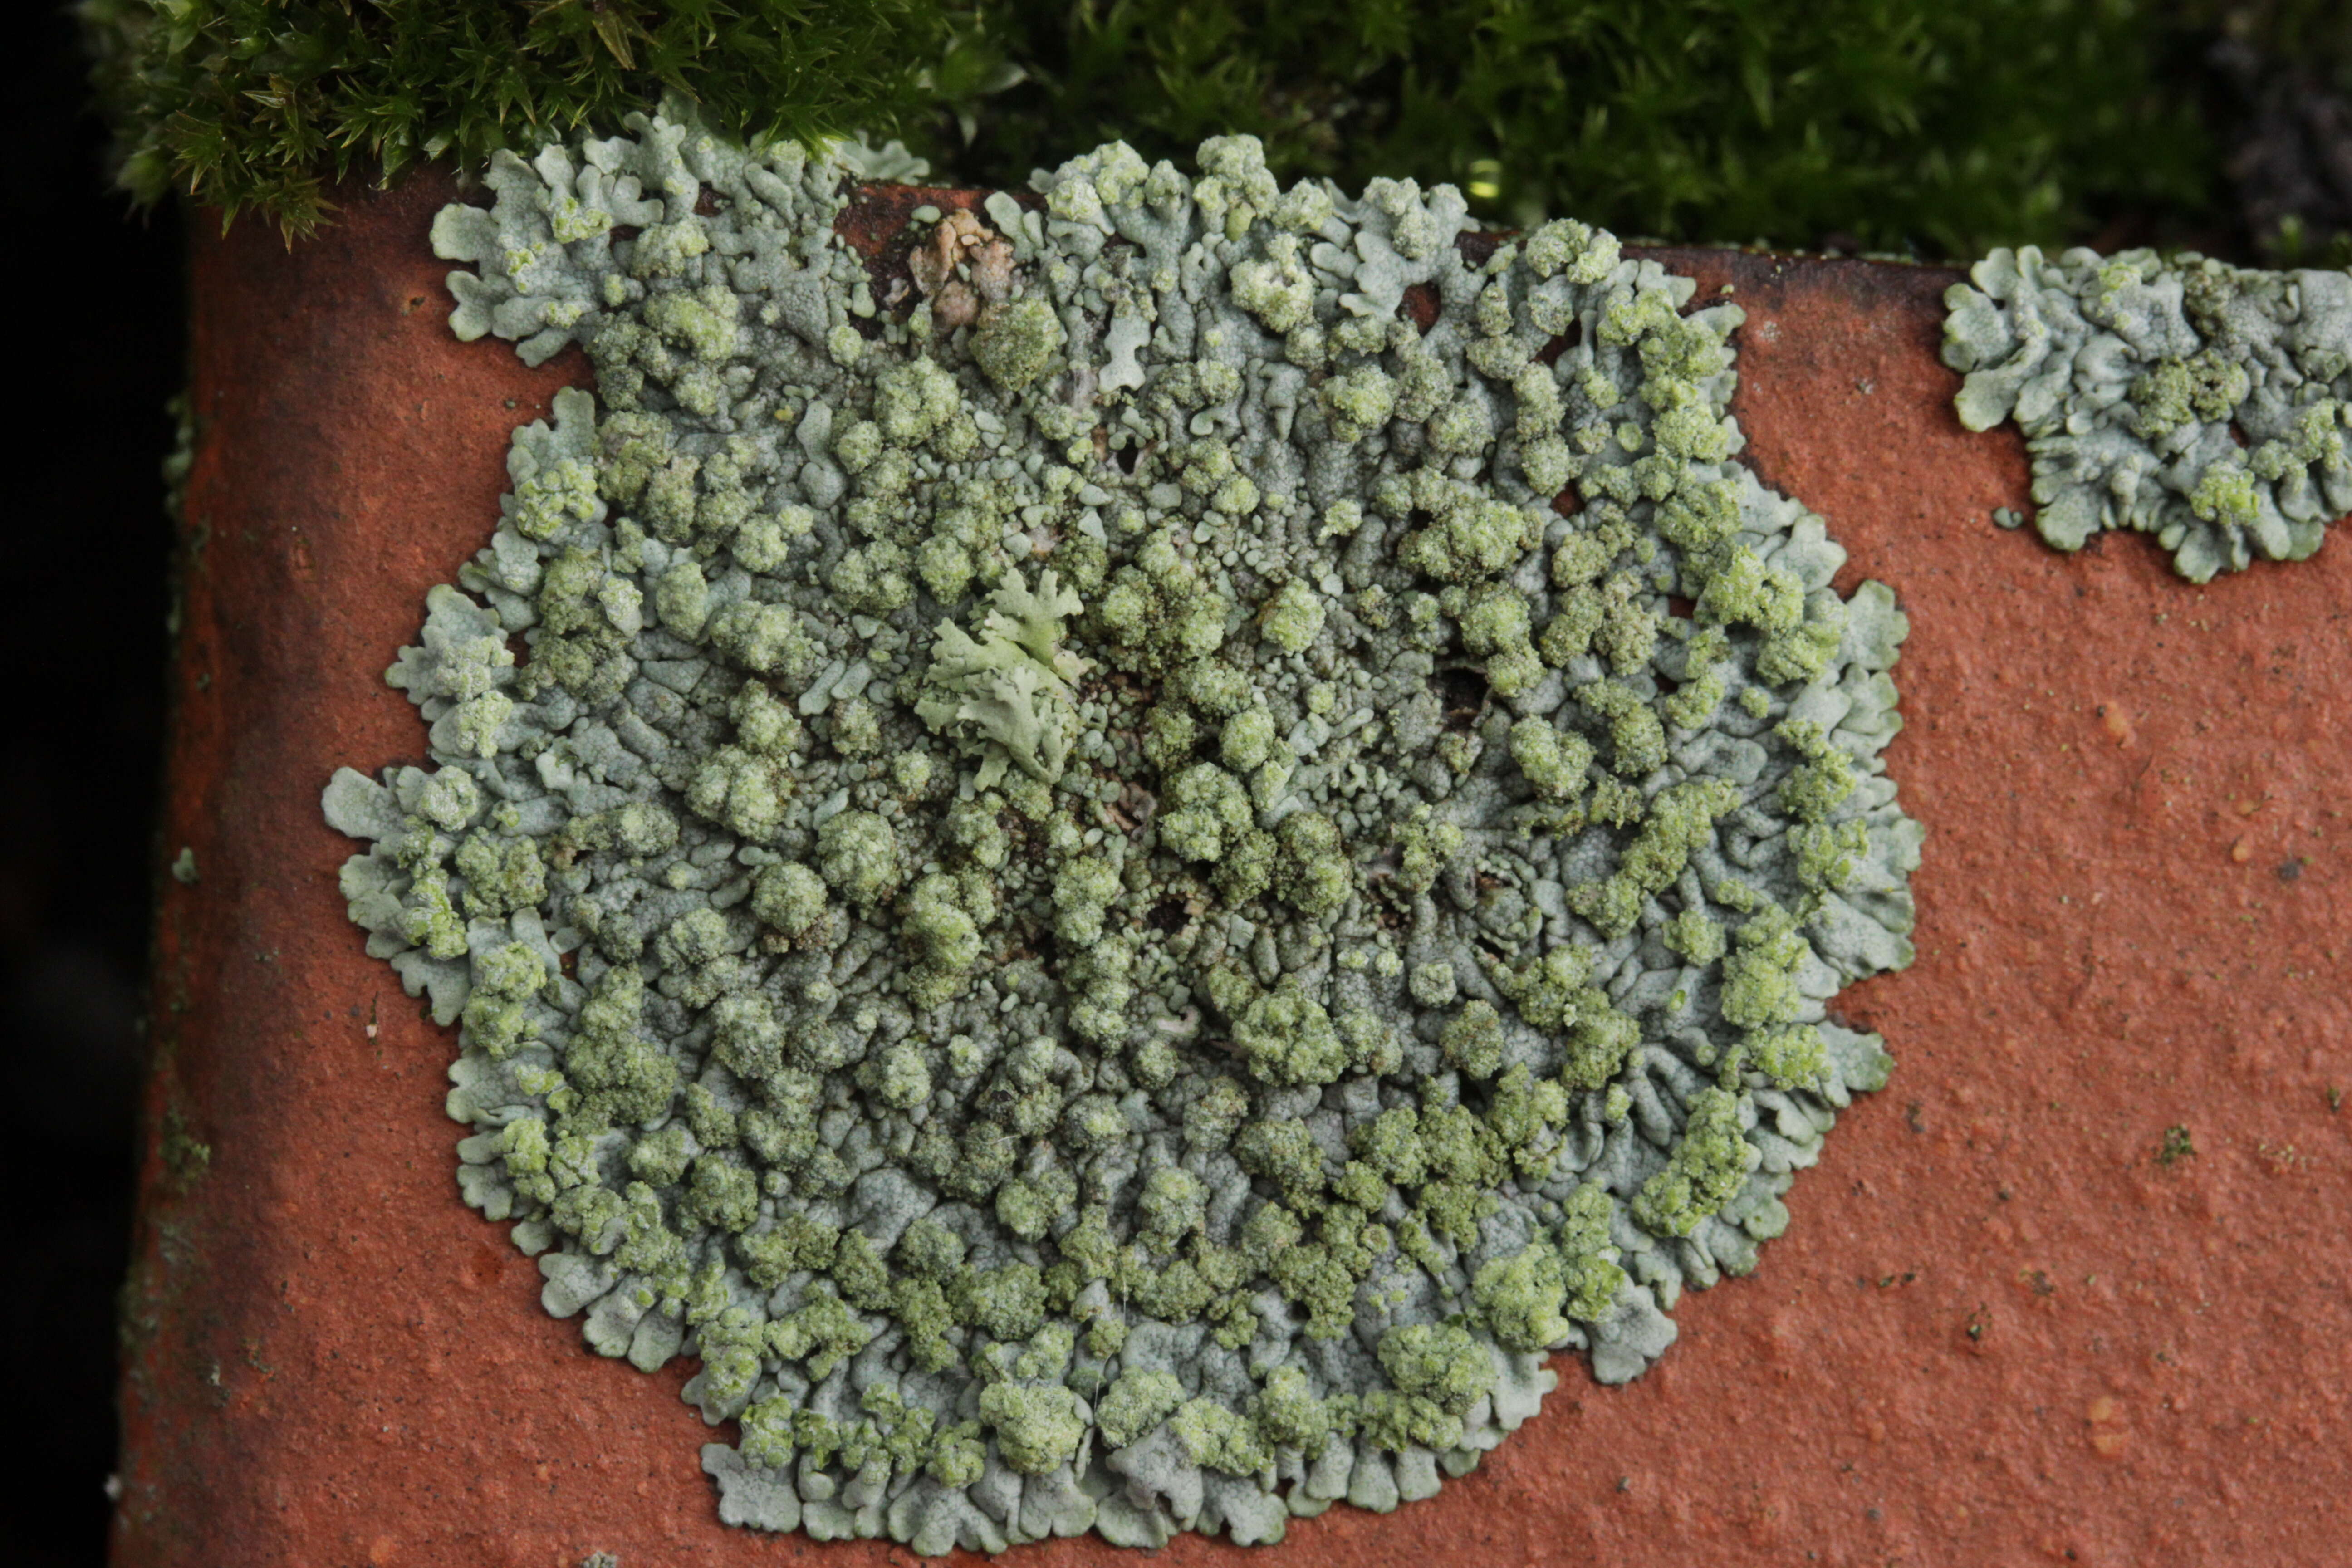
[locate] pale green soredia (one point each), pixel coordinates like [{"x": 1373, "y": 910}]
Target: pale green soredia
[{"x": 1096, "y": 884}]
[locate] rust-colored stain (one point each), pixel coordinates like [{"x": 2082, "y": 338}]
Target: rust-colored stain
[{"x": 1999, "y": 1329}]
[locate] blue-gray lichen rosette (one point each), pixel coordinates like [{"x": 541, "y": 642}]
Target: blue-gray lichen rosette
[{"x": 1122, "y": 863}]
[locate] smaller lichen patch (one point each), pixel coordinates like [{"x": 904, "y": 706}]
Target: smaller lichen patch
[{"x": 2207, "y": 404}]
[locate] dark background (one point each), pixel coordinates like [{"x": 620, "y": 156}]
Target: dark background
[
  {"x": 83, "y": 642},
  {"x": 100, "y": 344}
]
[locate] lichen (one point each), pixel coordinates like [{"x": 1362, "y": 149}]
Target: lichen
[
  {"x": 1124, "y": 924},
  {"x": 1012, "y": 686},
  {"x": 2205, "y": 404}
]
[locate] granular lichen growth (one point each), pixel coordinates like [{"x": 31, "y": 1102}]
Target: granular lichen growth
[
  {"x": 2204, "y": 403},
  {"x": 1121, "y": 881}
]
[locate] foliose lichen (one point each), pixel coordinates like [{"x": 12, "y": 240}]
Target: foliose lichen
[
  {"x": 2207, "y": 404},
  {"x": 1126, "y": 929}
]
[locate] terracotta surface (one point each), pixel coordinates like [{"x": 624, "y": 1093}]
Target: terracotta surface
[{"x": 1999, "y": 1330}]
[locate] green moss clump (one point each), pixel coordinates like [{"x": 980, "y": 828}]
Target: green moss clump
[
  {"x": 1781, "y": 128},
  {"x": 257, "y": 103}
]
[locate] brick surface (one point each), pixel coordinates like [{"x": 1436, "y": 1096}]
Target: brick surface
[{"x": 1998, "y": 1330}]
